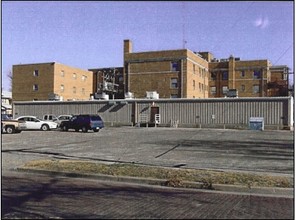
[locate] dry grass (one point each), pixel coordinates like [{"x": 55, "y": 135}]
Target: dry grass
[{"x": 174, "y": 176}]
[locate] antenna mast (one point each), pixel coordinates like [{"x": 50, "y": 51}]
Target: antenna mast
[{"x": 183, "y": 25}]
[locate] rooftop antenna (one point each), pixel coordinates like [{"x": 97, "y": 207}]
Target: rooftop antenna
[{"x": 183, "y": 25}]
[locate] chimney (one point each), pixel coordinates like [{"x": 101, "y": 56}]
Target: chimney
[{"x": 128, "y": 47}]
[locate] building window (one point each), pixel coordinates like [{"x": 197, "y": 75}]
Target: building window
[
  {"x": 74, "y": 76},
  {"x": 213, "y": 76},
  {"x": 62, "y": 88},
  {"x": 255, "y": 89},
  {"x": 224, "y": 90},
  {"x": 174, "y": 83},
  {"x": 243, "y": 88},
  {"x": 62, "y": 73},
  {"x": 194, "y": 69},
  {"x": 243, "y": 73},
  {"x": 199, "y": 85},
  {"x": 193, "y": 84},
  {"x": 173, "y": 96},
  {"x": 74, "y": 89},
  {"x": 36, "y": 73},
  {"x": 225, "y": 75},
  {"x": 257, "y": 74},
  {"x": 83, "y": 77},
  {"x": 35, "y": 87},
  {"x": 213, "y": 90},
  {"x": 174, "y": 66}
]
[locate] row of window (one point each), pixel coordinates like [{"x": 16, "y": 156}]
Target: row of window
[
  {"x": 74, "y": 75},
  {"x": 201, "y": 86},
  {"x": 256, "y": 75},
  {"x": 62, "y": 89},
  {"x": 176, "y": 67},
  {"x": 213, "y": 89},
  {"x": 202, "y": 72}
]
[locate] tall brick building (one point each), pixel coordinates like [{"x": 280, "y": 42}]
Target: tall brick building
[
  {"x": 45, "y": 81},
  {"x": 249, "y": 77},
  {"x": 171, "y": 73}
]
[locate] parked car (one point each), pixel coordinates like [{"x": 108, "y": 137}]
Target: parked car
[
  {"x": 10, "y": 126},
  {"x": 83, "y": 122},
  {"x": 63, "y": 118},
  {"x": 49, "y": 117},
  {"x": 34, "y": 123},
  {"x": 58, "y": 120}
]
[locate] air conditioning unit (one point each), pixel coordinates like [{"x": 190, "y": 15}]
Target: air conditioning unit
[
  {"x": 128, "y": 95},
  {"x": 152, "y": 95}
]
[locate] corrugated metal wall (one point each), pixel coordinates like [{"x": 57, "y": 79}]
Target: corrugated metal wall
[{"x": 277, "y": 111}]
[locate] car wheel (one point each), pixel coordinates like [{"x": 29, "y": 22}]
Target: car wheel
[
  {"x": 96, "y": 130},
  {"x": 64, "y": 128},
  {"x": 44, "y": 127},
  {"x": 84, "y": 129},
  {"x": 10, "y": 129}
]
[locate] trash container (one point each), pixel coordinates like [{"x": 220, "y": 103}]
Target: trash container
[{"x": 256, "y": 123}]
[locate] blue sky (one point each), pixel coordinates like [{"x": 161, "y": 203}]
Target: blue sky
[{"x": 90, "y": 34}]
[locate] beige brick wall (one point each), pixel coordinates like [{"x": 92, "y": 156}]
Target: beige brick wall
[
  {"x": 72, "y": 83},
  {"x": 240, "y": 77},
  {"x": 50, "y": 80},
  {"x": 152, "y": 71},
  {"x": 24, "y": 79}
]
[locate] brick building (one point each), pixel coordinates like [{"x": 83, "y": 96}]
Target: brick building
[
  {"x": 249, "y": 78},
  {"x": 50, "y": 81},
  {"x": 171, "y": 73}
]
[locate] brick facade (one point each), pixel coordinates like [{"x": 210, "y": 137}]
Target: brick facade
[
  {"x": 174, "y": 73},
  {"x": 40, "y": 81},
  {"x": 249, "y": 78}
]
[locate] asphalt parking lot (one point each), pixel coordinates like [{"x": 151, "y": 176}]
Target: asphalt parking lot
[{"x": 221, "y": 149}]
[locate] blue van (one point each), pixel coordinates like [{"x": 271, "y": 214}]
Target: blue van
[{"x": 83, "y": 122}]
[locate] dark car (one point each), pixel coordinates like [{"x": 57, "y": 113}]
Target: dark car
[{"x": 83, "y": 122}]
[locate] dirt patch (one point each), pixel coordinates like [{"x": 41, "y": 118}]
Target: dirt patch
[{"x": 173, "y": 176}]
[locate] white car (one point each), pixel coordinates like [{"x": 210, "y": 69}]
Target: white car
[{"x": 34, "y": 123}]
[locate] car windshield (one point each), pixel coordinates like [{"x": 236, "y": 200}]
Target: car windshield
[
  {"x": 5, "y": 117},
  {"x": 95, "y": 118}
]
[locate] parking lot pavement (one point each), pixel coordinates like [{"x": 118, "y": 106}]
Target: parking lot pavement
[
  {"x": 239, "y": 150},
  {"x": 27, "y": 195}
]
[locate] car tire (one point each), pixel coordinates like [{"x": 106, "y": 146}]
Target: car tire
[
  {"x": 96, "y": 130},
  {"x": 64, "y": 128},
  {"x": 84, "y": 129},
  {"x": 44, "y": 127},
  {"x": 10, "y": 130}
]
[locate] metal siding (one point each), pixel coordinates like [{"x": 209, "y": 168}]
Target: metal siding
[{"x": 192, "y": 111}]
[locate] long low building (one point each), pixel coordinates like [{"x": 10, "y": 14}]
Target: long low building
[{"x": 235, "y": 113}]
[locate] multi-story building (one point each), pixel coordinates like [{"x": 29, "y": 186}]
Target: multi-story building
[
  {"x": 50, "y": 81},
  {"x": 249, "y": 77},
  {"x": 172, "y": 73},
  {"x": 169, "y": 74}
]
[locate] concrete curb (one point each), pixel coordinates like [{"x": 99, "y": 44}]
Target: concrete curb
[{"x": 266, "y": 191}]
